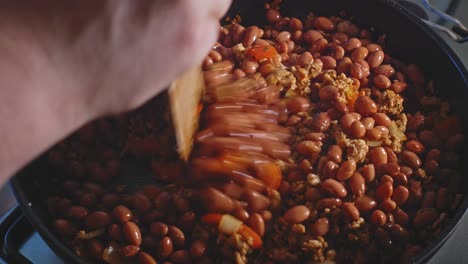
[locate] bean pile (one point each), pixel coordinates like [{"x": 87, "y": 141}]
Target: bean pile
[{"x": 314, "y": 145}]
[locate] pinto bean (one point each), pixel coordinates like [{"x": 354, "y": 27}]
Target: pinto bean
[
  {"x": 365, "y": 106},
  {"x": 334, "y": 187},
  {"x": 378, "y": 155},
  {"x": 310, "y": 36},
  {"x": 297, "y": 214},
  {"x": 350, "y": 211},
  {"x": 320, "y": 227},
  {"x": 378, "y": 218},
  {"x": 365, "y": 203},
  {"x": 387, "y": 205},
  {"x": 400, "y": 195},
  {"x": 411, "y": 159},
  {"x": 346, "y": 170},
  {"x": 131, "y": 233},
  {"x": 328, "y": 203},
  {"x": 215, "y": 201},
  {"x": 257, "y": 223},
  {"x": 368, "y": 172},
  {"x": 335, "y": 153},
  {"x": 375, "y": 58},
  {"x": 386, "y": 70},
  {"x": 357, "y": 184}
]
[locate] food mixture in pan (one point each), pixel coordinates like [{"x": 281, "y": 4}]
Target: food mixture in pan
[{"x": 315, "y": 146}]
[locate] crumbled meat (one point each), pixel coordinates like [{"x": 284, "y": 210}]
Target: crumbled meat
[
  {"x": 282, "y": 78},
  {"x": 390, "y": 103},
  {"x": 348, "y": 90},
  {"x": 298, "y": 228},
  {"x": 313, "y": 179},
  {"x": 356, "y": 224},
  {"x": 317, "y": 246},
  {"x": 401, "y": 121},
  {"x": 239, "y": 52},
  {"x": 355, "y": 148}
]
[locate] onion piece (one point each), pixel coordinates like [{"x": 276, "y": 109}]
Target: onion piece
[
  {"x": 229, "y": 224},
  {"x": 82, "y": 234},
  {"x": 394, "y": 130},
  {"x": 371, "y": 143},
  {"x": 111, "y": 254}
]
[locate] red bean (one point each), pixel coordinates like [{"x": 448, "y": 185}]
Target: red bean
[
  {"x": 166, "y": 247},
  {"x": 365, "y": 106},
  {"x": 346, "y": 170},
  {"x": 310, "y": 36},
  {"x": 328, "y": 92},
  {"x": 250, "y": 36},
  {"x": 334, "y": 187},
  {"x": 257, "y": 223},
  {"x": 357, "y": 129},
  {"x": 359, "y": 54},
  {"x": 132, "y": 233},
  {"x": 78, "y": 212},
  {"x": 335, "y": 153},
  {"x": 400, "y": 195},
  {"x": 387, "y": 205},
  {"x": 328, "y": 203},
  {"x": 378, "y": 155},
  {"x": 411, "y": 159},
  {"x": 357, "y": 183},
  {"x": 384, "y": 191},
  {"x": 375, "y": 58},
  {"x": 350, "y": 211},
  {"x": 365, "y": 203},
  {"x": 176, "y": 235},
  {"x": 215, "y": 201},
  {"x": 425, "y": 217},
  {"x": 386, "y": 70},
  {"x": 381, "y": 81},
  {"x": 159, "y": 229},
  {"x": 122, "y": 214},
  {"x": 64, "y": 227},
  {"x": 256, "y": 201},
  {"x": 305, "y": 59},
  {"x": 308, "y": 147},
  {"x": 272, "y": 16},
  {"x": 145, "y": 258},
  {"x": 401, "y": 217},
  {"x": 320, "y": 227},
  {"x": 181, "y": 256},
  {"x": 98, "y": 219},
  {"x": 129, "y": 250},
  {"x": 298, "y": 104},
  {"x": 297, "y": 214},
  {"x": 198, "y": 248},
  {"x": 351, "y": 44},
  {"x": 378, "y": 218},
  {"x": 368, "y": 172}
]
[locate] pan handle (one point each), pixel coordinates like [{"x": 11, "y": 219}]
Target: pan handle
[
  {"x": 457, "y": 31},
  {"x": 19, "y": 231}
]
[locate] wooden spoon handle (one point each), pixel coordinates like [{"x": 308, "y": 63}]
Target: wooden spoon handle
[{"x": 184, "y": 99}]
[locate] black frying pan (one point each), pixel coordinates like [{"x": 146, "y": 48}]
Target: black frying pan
[{"x": 409, "y": 39}]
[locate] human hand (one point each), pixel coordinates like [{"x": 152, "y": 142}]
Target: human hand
[
  {"x": 131, "y": 50},
  {"x": 65, "y": 63}
]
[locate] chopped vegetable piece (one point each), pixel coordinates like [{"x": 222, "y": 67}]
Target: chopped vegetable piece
[{"x": 262, "y": 52}]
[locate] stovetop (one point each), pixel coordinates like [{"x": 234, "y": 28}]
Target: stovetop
[{"x": 19, "y": 240}]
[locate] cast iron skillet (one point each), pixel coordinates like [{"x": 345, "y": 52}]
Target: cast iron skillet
[{"x": 408, "y": 39}]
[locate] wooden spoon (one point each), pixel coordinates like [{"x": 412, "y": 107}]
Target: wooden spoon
[{"x": 184, "y": 99}]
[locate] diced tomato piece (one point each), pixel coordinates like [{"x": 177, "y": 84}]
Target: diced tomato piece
[
  {"x": 262, "y": 52},
  {"x": 270, "y": 174},
  {"x": 211, "y": 219},
  {"x": 247, "y": 233}
]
